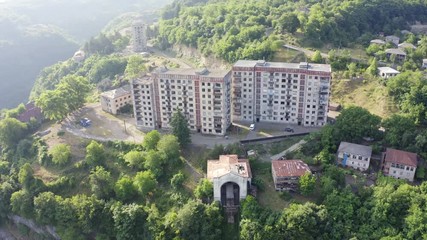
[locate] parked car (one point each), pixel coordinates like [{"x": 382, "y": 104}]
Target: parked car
[
  {"x": 252, "y": 127},
  {"x": 85, "y": 122},
  {"x": 288, "y": 129}
]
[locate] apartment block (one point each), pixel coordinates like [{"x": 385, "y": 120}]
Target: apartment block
[
  {"x": 139, "y": 36},
  {"x": 280, "y": 92},
  {"x": 202, "y": 95}
]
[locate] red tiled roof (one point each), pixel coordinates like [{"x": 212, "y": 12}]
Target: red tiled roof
[
  {"x": 401, "y": 157},
  {"x": 31, "y": 111},
  {"x": 289, "y": 168}
]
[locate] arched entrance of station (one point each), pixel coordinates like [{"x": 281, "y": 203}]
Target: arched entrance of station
[{"x": 230, "y": 194}]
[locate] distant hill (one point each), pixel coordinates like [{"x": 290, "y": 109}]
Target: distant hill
[{"x": 38, "y": 33}]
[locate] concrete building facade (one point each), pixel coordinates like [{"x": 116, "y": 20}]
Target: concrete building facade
[
  {"x": 231, "y": 178},
  {"x": 399, "y": 164},
  {"x": 354, "y": 155},
  {"x": 139, "y": 36},
  {"x": 112, "y": 101},
  {"x": 286, "y": 173},
  {"x": 280, "y": 92},
  {"x": 202, "y": 95}
]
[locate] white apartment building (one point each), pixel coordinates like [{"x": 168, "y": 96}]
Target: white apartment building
[
  {"x": 202, "y": 95},
  {"x": 139, "y": 36},
  {"x": 280, "y": 92}
]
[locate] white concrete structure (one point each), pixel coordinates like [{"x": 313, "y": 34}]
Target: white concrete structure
[
  {"x": 113, "y": 100},
  {"x": 202, "y": 95},
  {"x": 399, "y": 164},
  {"x": 424, "y": 63},
  {"x": 387, "y": 72},
  {"x": 79, "y": 56},
  {"x": 139, "y": 36},
  {"x": 354, "y": 155},
  {"x": 278, "y": 92},
  {"x": 225, "y": 174}
]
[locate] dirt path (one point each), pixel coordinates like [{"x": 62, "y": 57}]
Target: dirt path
[{"x": 290, "y": 149}]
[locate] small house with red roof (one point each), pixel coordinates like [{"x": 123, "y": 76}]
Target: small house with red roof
[
  {"x": 286, "y": 173},
  {"x": 399, "y": 164},
  {"x": 31, "y": 111}
]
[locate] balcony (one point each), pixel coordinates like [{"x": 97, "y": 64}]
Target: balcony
[{"x": 217, "y": 92}]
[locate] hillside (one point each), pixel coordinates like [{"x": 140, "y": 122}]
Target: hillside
[
  {"x": 36, "y": 34},
  {"x": 369, "y": 94},
  {"x": 254, "y": 30}
]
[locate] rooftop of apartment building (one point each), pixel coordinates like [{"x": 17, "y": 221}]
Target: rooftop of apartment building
[
  {"x": 401, "y": 157},
  {"x": 355, "y": 149},
  {"x": 302, "y": 65},
  {"x": 191, "y": 71}
]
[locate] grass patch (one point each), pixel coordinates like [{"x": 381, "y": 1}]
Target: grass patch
[{"x": 370, "y": 95}]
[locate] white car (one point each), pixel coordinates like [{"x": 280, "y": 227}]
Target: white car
[{"x": 252, "y": 127}]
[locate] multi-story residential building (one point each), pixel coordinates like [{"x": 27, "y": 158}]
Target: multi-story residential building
[
  {"x": 202, "y": 95},
  {"x": 286, "y": 173},
  {"x": 139, "y": 34},
  {"x": 354, "y": 155},
  {"x": 113, "y": 100},
  {"x": 399, "y": 164},
  {"x": 280, "y": 92}
]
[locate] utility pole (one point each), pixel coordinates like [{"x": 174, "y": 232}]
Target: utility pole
[{"x": 124, "y": 124}]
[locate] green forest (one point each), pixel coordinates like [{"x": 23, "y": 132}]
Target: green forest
[{"x": 254, "y": 30}]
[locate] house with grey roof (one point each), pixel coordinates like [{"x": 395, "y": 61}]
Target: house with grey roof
[
  {"x": 399, "y": 53},
  {"x": 354, "y": 155},
  {"x": 387, "y": 72},
  {"x": 393, "y": 39},
  {"x": 377, "y": 41},
  {"x": 406, "y": 45}
]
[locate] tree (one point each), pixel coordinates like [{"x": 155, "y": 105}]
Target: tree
[
  {"x": 61, "y": 154},
  {"x": 204, "y": 189},
  {"x": 373, "y": 68},
  {"x": 75, "y": 89},
  {"x": 307, "y": 183},
  {"x": 145, "y": 183},
  {"x": 130, "y": 222},
  {"x": 25, "y": 176},
  {"x": 151, "y": 139},
  {"x": 177, "y": 180},
  {"x": 354, "y": 123},
  {"x": 53, "y": 104},
  {"x": 11, "y": 131},
  {"x": 307, "y": 221},
  {"x": 134, "y": 159},
  {"x": 101, "y": 182},
  {"x": 45, "y": 205},
  {"x": 22, "y": 203},
  {"x": 154, "y": 162},
  {"x": 135, "y": 67},
  {"x": 180, "y": 128},
  {"x": 169, "y": 146},
  {"x": 95, "y": 153},
  {"x": 124, "y": 188},
  {"x": 399, "y": 131},
  {"x": 317, "y": 57}
]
